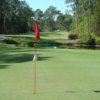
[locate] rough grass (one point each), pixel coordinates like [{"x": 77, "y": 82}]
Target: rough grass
[{"x": 62, "y": 74}]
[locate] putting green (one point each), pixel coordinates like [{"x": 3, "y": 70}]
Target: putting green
[{"x": 62, "y": 74}]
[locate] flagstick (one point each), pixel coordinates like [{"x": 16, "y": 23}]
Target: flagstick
[
  {"x": 35, "y": 68},
  {"x": 37, "y": 37}
]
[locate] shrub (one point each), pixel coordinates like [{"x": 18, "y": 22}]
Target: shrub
[
  {"x": 98, "y": 40},
  {"x": 88, "y": 40},
  {"x": 91, "y": 39},
  {"x": 72, "y": 36}
]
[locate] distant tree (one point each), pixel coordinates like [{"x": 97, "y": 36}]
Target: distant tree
[
  {"x": 50, "y": 16},
  {"x": 38, "y": 14},
  {"x": 15, "y": 16},
  {"x": 97, "y": 18},
  {"x": 84, "y": 18},
  {"x": 24, "y": 17},
  {"x": 64, "y": 22},
  {"x": 74, "y": 5},
  {"x": 7, "y": 9}
]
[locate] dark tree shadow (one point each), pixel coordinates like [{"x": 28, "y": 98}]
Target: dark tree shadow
[
  {"x": 96, "y": 91},
  {"x": 48, "y": 33},
  {"x": 53, "y": 92},
  {"x": 16, "y": 58},
  {"x": 70, "y": 91},
  {"x": 40, "y": 58},
  {"x": 19, "y": 58},
  {"x": 3, "y": 66}
]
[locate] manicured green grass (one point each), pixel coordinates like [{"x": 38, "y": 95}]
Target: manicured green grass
[
  {"x": 62, "y": 74},
  {"x": 54, "y": 35}
]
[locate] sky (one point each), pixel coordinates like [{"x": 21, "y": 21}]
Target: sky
[{"x": 44, "y": 4}]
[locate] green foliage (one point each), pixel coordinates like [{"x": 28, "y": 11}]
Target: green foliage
[
  {"x": 38, "y": 14},
  {"x": 15, "y": 16},
  {"x": 91, "y": 40},
  {"x": 72, "y": 36},
  {"x": 86, "y": 16},
  {"x": 64, "y": 22},
  {"x": 88, "y": 40},
  {"x": 49, "y": 18},
  {"x": 98, "y": 40},
  {"x": 97, "y": 18}
]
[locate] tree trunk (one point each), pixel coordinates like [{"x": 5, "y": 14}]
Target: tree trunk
[
  {"x": 82, "y": 18},
  {"x": 76, "y": 13},
  {"x": 89, "y": 20},
  {"x": 4, "y": 24}
]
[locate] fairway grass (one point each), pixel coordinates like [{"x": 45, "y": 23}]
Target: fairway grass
[{"x": 62, "y": 74}]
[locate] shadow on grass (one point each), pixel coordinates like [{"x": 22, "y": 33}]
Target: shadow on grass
[
  {"x": 70, "y": 92},
  {"x": 58, "y": 92},
  {"x": 96, "y": 91},
  {"x": 40, "y": 58},
  {"x": 19, "y": 58},
  {"x": 3, "y": 66},
  {"x": 46, "y": 34}
]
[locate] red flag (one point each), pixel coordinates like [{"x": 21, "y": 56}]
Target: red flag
[{"x": 37, "y": 32}]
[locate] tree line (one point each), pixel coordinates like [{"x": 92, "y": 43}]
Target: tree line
[
  {"x": 17, "y": 17},
  {"x": 86, "y": 16}
]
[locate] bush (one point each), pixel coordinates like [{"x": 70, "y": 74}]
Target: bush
[
  {"x": 73, "y": 36},
  {"x": 91, "y": 39},
  {"x": 88, "y": 40},
  {"x": 98, "y": 40}
]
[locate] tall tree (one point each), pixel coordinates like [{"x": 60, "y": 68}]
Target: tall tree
[
  {"x": 75, "y": 10},
  {"x": 63, "y": 22},
  {"x": 83, "y": 13},
  {"x": 38, "y": 14},
  {"x": 15, "y": 16},
  {"x": 97, "y": 18},
  {"x": 50, "y": 16}
]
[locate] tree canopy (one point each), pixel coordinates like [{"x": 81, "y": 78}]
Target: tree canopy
[
  {"x": 86, "y": 17},
  {"x": 17, "y": 17}
]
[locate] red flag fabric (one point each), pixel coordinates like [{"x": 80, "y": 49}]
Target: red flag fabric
[{"x": 37, "y": 32}]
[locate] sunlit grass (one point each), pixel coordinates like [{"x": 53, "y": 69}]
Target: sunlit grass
[{"x": 61, "y": 74}]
